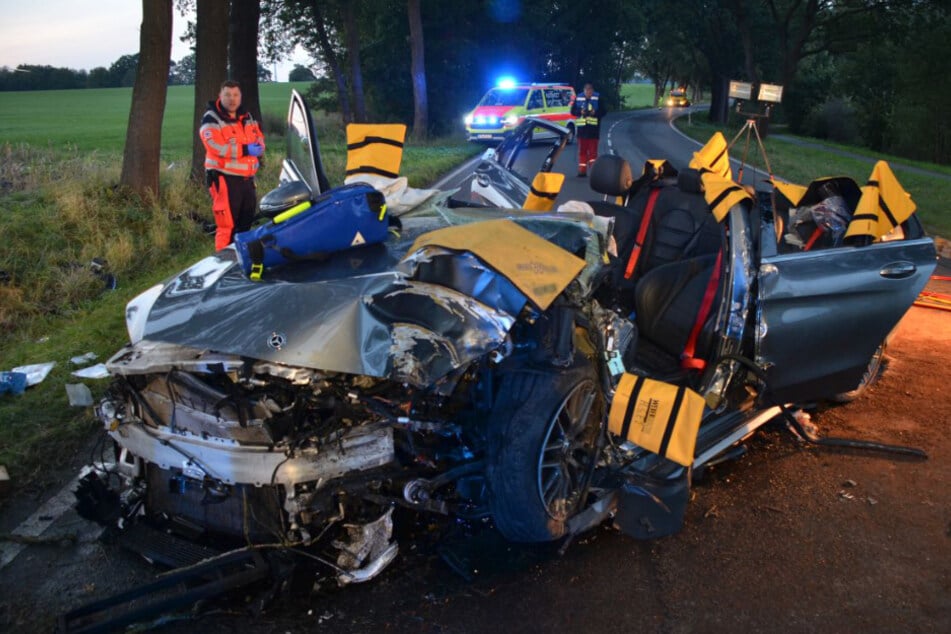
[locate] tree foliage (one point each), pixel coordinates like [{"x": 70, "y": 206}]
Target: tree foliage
[{"x": 874, "y": 68}]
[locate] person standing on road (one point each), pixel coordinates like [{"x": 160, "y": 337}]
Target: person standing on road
[
  {"x": 233, "y": 142},
  {"x": 588, "y": 111}
]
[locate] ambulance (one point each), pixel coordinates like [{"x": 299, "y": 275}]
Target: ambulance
[{"x": 507, "y": 104}]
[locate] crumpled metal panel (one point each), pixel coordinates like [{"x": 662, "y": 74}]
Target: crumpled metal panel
[{"x": 359, "y": 312}]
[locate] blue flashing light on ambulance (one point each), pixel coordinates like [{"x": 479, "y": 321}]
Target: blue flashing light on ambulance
[{"x": 506, "y": 105}]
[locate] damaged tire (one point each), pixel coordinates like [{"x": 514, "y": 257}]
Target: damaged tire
[
  {"x": 874, "y": 370},
  {"x": 543, "y": 438}
]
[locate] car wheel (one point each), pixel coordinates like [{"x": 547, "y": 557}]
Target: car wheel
[
  {"x": 571, "y": 133},
  {"x": 874, "y": 370},
  {"x": 542, "y": 439}
]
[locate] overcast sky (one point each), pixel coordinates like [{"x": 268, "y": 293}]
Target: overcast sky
[{"x": 83, "y": 34}]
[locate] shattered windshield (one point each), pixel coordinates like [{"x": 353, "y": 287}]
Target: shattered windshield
[{"x": 504, "y": 97}]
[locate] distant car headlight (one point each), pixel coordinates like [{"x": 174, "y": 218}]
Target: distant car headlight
[
  {"x": 510, "y": 120},
  {"x": 670, "y": 102}
]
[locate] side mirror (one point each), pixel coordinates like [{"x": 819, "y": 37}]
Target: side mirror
[{"x": 284, "y": 197}]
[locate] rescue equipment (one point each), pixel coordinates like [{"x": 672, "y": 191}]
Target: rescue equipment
[
  {"x": 713, "y": 157},
  {"x": 660, "y": 417},
  {"x": 545, "y": 188},
  {"x": 375, "y": 148},
  {"x": 883, "y": 206},
  {"x": 344, "y": 217}
]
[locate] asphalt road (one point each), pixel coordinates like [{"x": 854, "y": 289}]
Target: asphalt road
[{"x": 635, "y": 136}]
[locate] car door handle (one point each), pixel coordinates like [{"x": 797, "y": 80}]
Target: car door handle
[{"x": 898, "y": 270}]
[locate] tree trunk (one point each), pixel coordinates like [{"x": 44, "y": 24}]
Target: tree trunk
[
  {"x": 143, "y": 141},
  {"x": 211, "y": 66},
  {"x": 243, "y": 52},
  {"x": 418, "y": 71},
  {"x": 356, "y": 73},
  {"x": 330, "y": 57}
]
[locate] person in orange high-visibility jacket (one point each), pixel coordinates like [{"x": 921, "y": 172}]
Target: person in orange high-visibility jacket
[
  {"x": 233, "y": 142},
  {"x": 588, "y": 112}
]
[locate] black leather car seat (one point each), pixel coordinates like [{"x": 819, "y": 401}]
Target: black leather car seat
[{"x": 670, "y": 301}]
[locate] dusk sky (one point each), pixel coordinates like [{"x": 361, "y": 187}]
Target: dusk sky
[{"x": 83, "y": 34}]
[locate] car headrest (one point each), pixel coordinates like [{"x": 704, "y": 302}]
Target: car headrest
[
  {"x": 611, "y": 175},
  {"x": 689, "y": 181}
]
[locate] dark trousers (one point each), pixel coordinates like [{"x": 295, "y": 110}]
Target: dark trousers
[{"x": 233, "y": 201}]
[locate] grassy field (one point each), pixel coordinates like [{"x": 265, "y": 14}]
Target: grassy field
[
  {"x": 637, "y": 96},
  {"x": 95, "y": 120}
]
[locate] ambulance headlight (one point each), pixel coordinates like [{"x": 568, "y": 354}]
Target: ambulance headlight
[{"x": 468, "y": 119}]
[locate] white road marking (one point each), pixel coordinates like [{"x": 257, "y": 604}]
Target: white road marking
[{"x": 42, "y": 519}]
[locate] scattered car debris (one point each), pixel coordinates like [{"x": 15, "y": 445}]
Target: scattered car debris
[
  {"x": 850, "y": 484},
  {"x": 4, "y": 481},
  {"x": 79, "y": 395},
  {"x": 12, "y": 382},
  {"x": 35, "y": 373},
  {"x": 83, "y": 359},
  {"x": 98, "y": 371}
]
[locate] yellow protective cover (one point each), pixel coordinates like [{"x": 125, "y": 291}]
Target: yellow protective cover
[
  {"x": 713, "y": 157},
  {"x": 537, "y": 267},
  {"x": 375, "y": 148},
  {"x": 545, "y": 188},
  {"x": 883, "y": 206},
  {"x": 721, "y": 194},
  {"x": 660, "y": 417}
]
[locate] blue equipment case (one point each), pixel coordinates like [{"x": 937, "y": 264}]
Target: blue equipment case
[{"x": 344, "y": 217}]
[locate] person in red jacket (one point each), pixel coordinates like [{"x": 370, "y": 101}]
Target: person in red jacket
[{"x": 233, "y": 142}]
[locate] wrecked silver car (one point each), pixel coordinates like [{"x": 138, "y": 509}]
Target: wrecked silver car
[{"x": 545, "y": 371}]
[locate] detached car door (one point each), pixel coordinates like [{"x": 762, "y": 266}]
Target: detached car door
[{"x": 822, "y": 314}]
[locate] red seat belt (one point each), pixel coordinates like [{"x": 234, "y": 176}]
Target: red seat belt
[
  {"x": 812, "y": 239},
  {"x": 687, "y": 360},
  {"x": 641, "y": 233}
]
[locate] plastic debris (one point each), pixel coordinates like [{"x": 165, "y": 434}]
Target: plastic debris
[
  {"x": 83, "y": 359},
  {"x": 36, "y": 372},
  {"x": 846, "y": 496},
  {"x": 97, "y": 371},
  {"x": 79, "y": 394},
  {"x": 4, "y": 481},
  {"x": 871, "y": 501},
  {"x": 12, "y": 382},
  {"x": 850, "y": 483}
]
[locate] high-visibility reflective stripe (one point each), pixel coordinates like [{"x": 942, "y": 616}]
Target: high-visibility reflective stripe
[
  {"x": 375, "y": 148},
  {"x": 544, "y": 190},
  {"x": 293, "y": 211}
]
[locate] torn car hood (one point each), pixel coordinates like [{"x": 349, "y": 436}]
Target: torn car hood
[{"x": 361, "y": 311}]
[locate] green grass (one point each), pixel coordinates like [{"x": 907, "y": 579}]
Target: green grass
[
  {"x": 636, "y": 96},
  {"x": 95, "y": 120},
  {"x": 803, "y": 164}
]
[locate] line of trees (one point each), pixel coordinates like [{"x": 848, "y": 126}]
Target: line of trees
[{"x": 868, "y": 70}]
